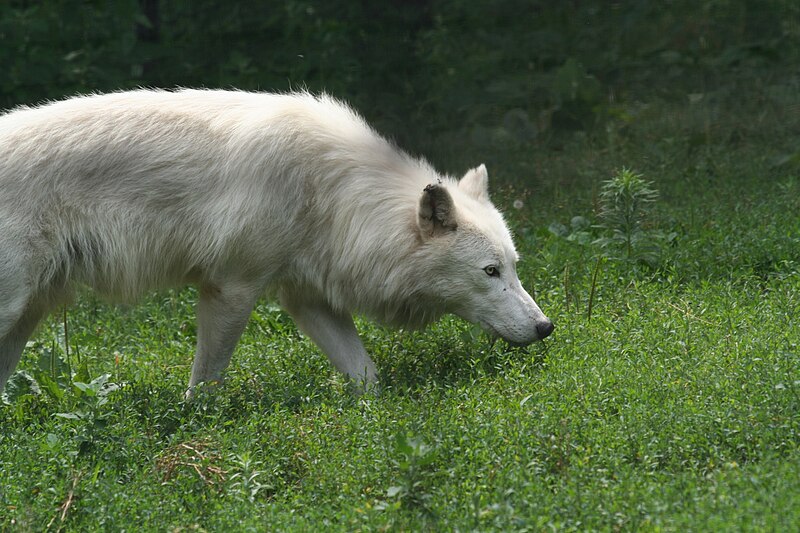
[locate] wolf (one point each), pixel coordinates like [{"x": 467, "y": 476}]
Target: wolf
[{"x": 245, "y": 194}]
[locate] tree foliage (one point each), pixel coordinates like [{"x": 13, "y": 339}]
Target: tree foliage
[{"x": 526, "y": 66}]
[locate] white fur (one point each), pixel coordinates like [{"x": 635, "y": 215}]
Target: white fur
[{"x": 242, "y": 193}]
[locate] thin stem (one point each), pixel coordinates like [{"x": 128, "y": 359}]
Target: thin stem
[{"x": 594, "y": 286}]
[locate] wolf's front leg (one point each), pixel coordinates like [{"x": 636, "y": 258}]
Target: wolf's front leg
[
  {"x": 222, "y": 314},
  {"x": 336, "y": 336}
]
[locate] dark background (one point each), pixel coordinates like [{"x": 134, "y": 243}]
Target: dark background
[{"x": 439, "y": 76}]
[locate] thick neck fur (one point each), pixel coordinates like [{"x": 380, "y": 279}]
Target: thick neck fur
[{"x": 362, "y": 250}]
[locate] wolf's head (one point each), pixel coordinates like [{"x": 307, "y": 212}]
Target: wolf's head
[{"x": 475, "y": 260}]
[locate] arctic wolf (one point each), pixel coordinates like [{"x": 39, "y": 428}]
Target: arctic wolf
[{"x": 244, "y": 194}]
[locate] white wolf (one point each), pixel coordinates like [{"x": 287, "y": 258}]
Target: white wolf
[{"x": 241, "y": 194}]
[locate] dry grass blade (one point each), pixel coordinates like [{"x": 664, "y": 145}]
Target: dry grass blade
[
  {"x": 196, "y": 456},
  {"x": 67, "y": 504}
]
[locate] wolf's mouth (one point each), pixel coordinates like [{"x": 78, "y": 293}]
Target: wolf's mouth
[
  {"x": 517, "y": 344},
  {"x": 488, "y": 328}
]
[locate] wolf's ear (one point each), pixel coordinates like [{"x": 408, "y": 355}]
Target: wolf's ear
[
  {"x": 436, "y": 213},
  {"x": 476, "y": 183}
]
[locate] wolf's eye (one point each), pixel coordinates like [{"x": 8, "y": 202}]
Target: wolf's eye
[{"x": 492, "y": 271}]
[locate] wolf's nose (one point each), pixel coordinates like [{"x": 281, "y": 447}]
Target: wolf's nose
[{"x": 544, "y": 328}]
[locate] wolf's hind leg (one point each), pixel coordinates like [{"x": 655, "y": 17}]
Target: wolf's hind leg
[
  {"x": 335, "y": 334},
  {"x": 222, "y": 314},
  {"x": 13, "y": 343},
  {"x": 18, "y": 316}
]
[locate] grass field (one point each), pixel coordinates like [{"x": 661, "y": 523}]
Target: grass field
[{"x": 668, "y": 398}]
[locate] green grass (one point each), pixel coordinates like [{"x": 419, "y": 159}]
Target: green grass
[{"x": 674, "y": 407}]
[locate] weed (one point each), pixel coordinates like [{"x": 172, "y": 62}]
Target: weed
[
  {"x": 626, "y": 205},
  {"x": 246, "y": 478},
  {"x": 412, "y": 458},
  {"x": 87, "y": 412}
]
